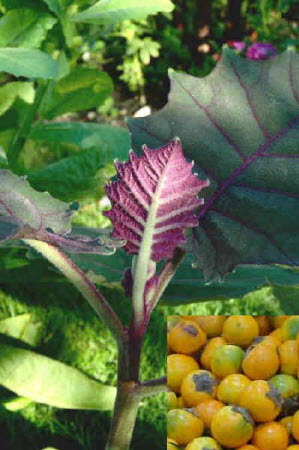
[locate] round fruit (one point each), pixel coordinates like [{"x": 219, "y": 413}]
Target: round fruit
[
  {"x": 264, "y": 325},
  {"x": 180, "y": 402},
  {"x": 289, "y": 357},
  {"x": 248, "y": 447},
  {"x": 290, "y": 328},
  {"x": 231, "y": 387},
  {"x": 260, "y": 362},
  {"x": 287, "y": 385},
  {"x": 277, "y": 321},
  {"x": 172, "y": 444},
  {"x": 209, "y": 349},
  {"x": 232, "y": 426},
  {"x": 203, "y": 443},
  {"x": 211, "y": 325},
  {"x": 293, "y": 447},
  {"x": 295, "y": 426},
  {"x": 240, "y": 330},
  {"x": 182, "y": 426},
  {"x": 207, "y": 410},
  {"x": 271, "y": 436},
  {"x": 172, "y": 400},
  {"x": 226, "y": 359},
  {"x": 287, "y": 423},
  {"x": 186, "y": 337},
  {"x": 277, "y": 334},
  {"x": 178, "y": 366},
  {"x": 262, "y": 400},
  {"x": 198, "y": 386}
]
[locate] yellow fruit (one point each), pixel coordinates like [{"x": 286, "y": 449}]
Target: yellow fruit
[
  {"x": 240, "y": 330},
  {"x": 186, "y": 337},
  {"x": 260, "y": 362},
  {"x": 210, "y": 347},
  {"x": 289, "y": 357},
  {"x": 262, "y": 400},
  {"x": 198, "y": 386},
  {"x": 231, "y": 387},
  {"x": 232, "y": 426},
  {"x": 178, "y": 366},
  {"x": 183, "y": 427}
]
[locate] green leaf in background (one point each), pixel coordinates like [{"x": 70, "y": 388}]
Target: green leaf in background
[
  {"x": 73, "y": 177},
  {"x": 17, "y": 89},
  {"x": 22, "y": 327},
  {"x": 24, "y": 28},
  {"x": 114, "y": 11},
  {"x": 84, "y": 135},
  {"x": 240, "y": 126},
  {"x": 45, "y": 380},
  {"x": 30, "y": 63},
  {"x": 288, "y": 297},
  {"x": 82, "y": 89}
]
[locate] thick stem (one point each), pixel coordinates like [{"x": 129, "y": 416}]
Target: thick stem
[
  {"x": 74, "y": 274},
  {"x": 124, "y": 417}
]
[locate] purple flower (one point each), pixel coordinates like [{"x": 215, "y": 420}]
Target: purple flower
[
  {"x": 238, "y": 45},
  {"x": 260, "y": 50}
]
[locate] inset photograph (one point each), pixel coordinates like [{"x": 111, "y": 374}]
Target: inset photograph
[{"x": 233, "y": 382}]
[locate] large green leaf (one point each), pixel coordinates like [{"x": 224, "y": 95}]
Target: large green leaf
[
  {"x": 288, "y": 297},
  {"x": 25, "y": 62},
  {"x": 113, "y": 11},
  {"x": 73, "y": 177},
  {"x": 45, "y": 380},
  {"x": 240, "y": 126},
  {"x": 22, "y": 327},
  {"x": 82, "y": 89},
  {"x": 24, "y": 28},
  {"x": 17, "y": 89},
  {"x": 84, "y": 135}
]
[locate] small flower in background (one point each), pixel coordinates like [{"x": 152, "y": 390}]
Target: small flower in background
[
  {"x": 237, "y": 45},
  {"x": 260, "y": 50}
]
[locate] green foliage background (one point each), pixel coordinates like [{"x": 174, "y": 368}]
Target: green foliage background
[{"x": 56, "y": 67}]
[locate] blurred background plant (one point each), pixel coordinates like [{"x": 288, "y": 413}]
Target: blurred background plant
[{"x": 69, "y": 75}]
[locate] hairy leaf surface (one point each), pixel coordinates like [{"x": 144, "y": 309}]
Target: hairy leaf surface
[
  {"x": 240, "y": 126},
  {"x": 153, "y": 201}
]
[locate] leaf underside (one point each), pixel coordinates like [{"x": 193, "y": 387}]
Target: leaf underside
[
  {"x": 240, "y": 126},
  {"x": 28, "y": 214},
  {"x": 153, "y": 201}
]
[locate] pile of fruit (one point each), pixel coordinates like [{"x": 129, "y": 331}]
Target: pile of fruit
[{"x": 233, "y": 382}]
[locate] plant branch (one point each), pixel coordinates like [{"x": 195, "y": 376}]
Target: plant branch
[
  {"x": 165, "y": 276},
  {"x": 89, "y": 291},
  {"x": 152, "y": 387}
]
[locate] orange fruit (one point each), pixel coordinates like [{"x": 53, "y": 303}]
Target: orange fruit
[
  {"x": 240, "y": 330},
  {"x": 178, "y": 366},
  {"x": 232, "y": 426},
  {"x": 198, "y": 386},
  {"x": 271, "y": 436},
  {"x": 186, "y": 337}
]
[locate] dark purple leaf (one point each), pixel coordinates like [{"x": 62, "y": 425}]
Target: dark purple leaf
[
  {"x": 240, "y": 126},
  {"x": 153, "y": 200}
]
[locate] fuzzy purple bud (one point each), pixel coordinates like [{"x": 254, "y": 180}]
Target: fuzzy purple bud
[{"x": 237, "y": 45}]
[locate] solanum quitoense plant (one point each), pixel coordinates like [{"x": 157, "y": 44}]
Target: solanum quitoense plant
[{"x": 154, "y": 200}]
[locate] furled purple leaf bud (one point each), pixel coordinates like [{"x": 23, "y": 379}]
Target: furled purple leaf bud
[{"x": 154, "y": 200}]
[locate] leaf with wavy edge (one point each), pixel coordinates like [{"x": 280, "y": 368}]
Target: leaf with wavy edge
[
  {"x": 153, "y": 201},
  {"x": 26, "y": 213},
  {"x": 240, "y": 126}
]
